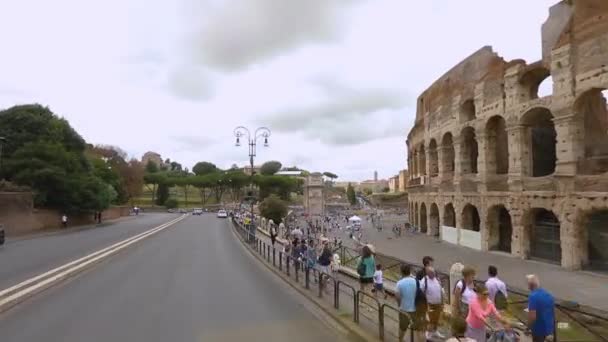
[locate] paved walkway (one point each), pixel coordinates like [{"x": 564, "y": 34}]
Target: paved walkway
[{"x": 583, "y": 287}]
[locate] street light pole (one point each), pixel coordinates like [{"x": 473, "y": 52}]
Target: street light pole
[{"x": 260, "y": 132}]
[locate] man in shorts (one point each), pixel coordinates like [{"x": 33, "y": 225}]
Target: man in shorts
[{"x": 406, "y": 299}]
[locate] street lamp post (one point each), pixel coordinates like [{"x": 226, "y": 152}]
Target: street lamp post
[
  {"x": 2, "y": 142},
  {"x": 260, "y": 132}
]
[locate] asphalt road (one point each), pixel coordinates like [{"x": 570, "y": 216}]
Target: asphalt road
[
  {"x": 191, "y": 282},
  {"x": 23, "y": 259}
]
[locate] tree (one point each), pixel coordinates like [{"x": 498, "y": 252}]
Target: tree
[
  {"x": 270, "y": 167},
  {"x": 273, "y": 208},
  {"x": 237, "y": 180},
  {"x": 151, "y": 167},
  {"x": 162, "y": 193},
  {"x": 133, "y": 178},
  {"x": 203, "y": 168},
  {"x": 183, "y": 182},
  {"x": 155, "y": 179},
  {"x": 278, "y": 185},
  {"x": 203, "y": 184},
  {"x": 367, "y": 191},
  {"x": 171, "y": 203},
  {"x": 350, "y": 194},
  {"x": 330, "y": 175},
  {"x": 386, "y": 189}
]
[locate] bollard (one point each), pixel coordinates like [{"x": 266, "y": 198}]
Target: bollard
[
  {"x": 297, "y": 268},
  {"x": 280, "y": 261},
  {"x": 321, "y": 276},
  {"x": 336, "y": 296},
  {"x": 287, "y": 264},
  {"x": 274, "y": 255},
  {"x": 307, "y": 278}
]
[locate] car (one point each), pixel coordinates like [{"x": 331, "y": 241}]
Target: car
[
  {"x": 171, "y": 210},
  {"x": 183, "y": 211},
  {"x": 197, "y": 211},
  {"x": 222, "y": 213}
]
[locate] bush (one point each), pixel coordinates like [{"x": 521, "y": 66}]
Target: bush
[
  {"x": 171, "y": 203},
  {"x": 273, "y": 208}
]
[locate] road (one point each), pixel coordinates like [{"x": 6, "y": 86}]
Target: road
[{"x": 191, "y": 282}]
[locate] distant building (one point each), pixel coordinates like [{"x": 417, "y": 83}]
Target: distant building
[
  {"x": 314, "y": 197},
  {"x": 247, "y": 169},
  {"x": 153, "y": 157},
  {"x": 289, "y": 173},
  {"x": 375, "y": 176},
  {"x": 393, "y": 184},
  {"x": 403, "y": 177}
]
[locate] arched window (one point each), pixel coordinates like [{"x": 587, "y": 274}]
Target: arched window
[
  {"x": 499, "y": 228},
  {"x": 422, "y": 160},
  {"x": 447, "y": 143},
  {"x": 470, "y": 218},
  {"x": 434, "y": 220},
  {"x": 423, "y": 225},
  {"x": 467, "y": 111},
  {"x": 544, "y": 230},
  {"x": 539, "y": 157},
  {"x": 434, "y": 162},
  {"x": 469, "y": 151},
  {"x": 449, "y": 216},
  {"x": 596, "y": 232},
  {"x": 592, "y": 115},
  {"x": 537, "y": 81},
  {"x": 498, "y": 146}
]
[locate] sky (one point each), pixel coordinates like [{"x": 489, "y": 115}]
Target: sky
[{"x": 336, "y": 81}]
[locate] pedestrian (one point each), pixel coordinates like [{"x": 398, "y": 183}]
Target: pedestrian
[
  {"x": 480, "y": 309},
  {"x": 379, "y": 282},
  {"x": 325, "y": 260},
  {"x": 405, "y": 294},
  {"x": 541, "y": 310},
  {"x": 311, "y": 256},
  {"x": 64, "y": 220},
  {"x": 496, "y": 288},
  {"x": 427, "y": 261},
  {"x": 464, "y": 292},
  {"x": 366, "y": 269},
  {"x": 273, "y": 235},
  {"x": 431, "y": 286}
]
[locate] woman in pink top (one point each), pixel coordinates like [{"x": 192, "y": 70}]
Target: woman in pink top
[{"x": 480, "y": 309}]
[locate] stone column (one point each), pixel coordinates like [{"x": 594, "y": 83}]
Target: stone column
[
  {"x": 429, "y": 161},
  {"x": 569, "y": 145},
  {"x": 440, "y": 156},
  {"x": 482, "y": 174},
  {"x": 517, "y": 142},
  {"x": 572, "y": 256},
  {"x": 520, "y": 240},
  {"x": 457, "y": 160}
]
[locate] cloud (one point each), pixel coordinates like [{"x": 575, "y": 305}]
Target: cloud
[
  {"x": 244, "y": 32},
  {"x": 192, "y": 143},
  {"x": 343, "y": 117},
  {"x": 190, "y": 83}
]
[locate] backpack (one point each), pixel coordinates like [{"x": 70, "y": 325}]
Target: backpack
[
  {"x": 361, "y": 268},
  {"x": 421, "y": 303},
  {"x": 464, "y": 286},
  {"x": 500, "y": 301}
]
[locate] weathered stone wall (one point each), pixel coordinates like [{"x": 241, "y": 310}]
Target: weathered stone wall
[{"x": 483, "y": 137}]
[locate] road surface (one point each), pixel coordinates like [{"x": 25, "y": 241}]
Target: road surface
[{"x": 191, "y": 282}]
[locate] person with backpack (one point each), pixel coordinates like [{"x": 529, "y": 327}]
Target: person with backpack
[
  {"x": 427, "y": 261},
  {"x": 497, "y": 289},
  {"x": 480, "y": 309},
  {"x": 407, "y": 296},
  {"x": 324, "y": 262},
  {"x": 366, "y": 268},
  {"x": 464, "y": 292},
  {"x": 431, "y": 286}
]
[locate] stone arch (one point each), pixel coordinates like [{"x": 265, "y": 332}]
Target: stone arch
[
  {"x": 539, "y": 157},
  {"x": 594, "y": 239},
  {"x": 449, "y": 216},
  {"x": 423, "y": 223},
  {"x": 592, "y": 119},
  {"x": 542, "y": 233},
  {"x": 497, "y": 156},
  {"x": 434, "y": 158},
  {"x": 468, "y": 151},
  {"x": 535, "y": 79},
  {"x": 448, "y": 158},
  {"x": 434, "y": 220},
  {"x": 470, "y": 218},
  {"x": 500, "y": 228},
  {"x": 416, "y": 217},
  {"x": 467, "y": 111},
  {"x": 422, "y": 166}
]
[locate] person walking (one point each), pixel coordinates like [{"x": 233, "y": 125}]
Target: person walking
[
  {"x": 431, "y": 286},
  {"x": 273, "y": 235},
  {"x": 464, "y": 292},
  {"x": 379, "y": 282},
  {"x": 541, "y": 310},
  {"x": 405, "y": 294},
  {"x": 480, "y": 309},
  {"x": 324, "y": 263},
  {"x": 366, "y": 269},
  {"x": 64, "y": 220},
  {"x": 496, "y": 288},
  {"x": 427, "y": 261}
]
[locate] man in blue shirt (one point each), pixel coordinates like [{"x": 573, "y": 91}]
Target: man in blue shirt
[
  {"x": 541, "y": 306},
  {"x": 406, "y": 299}
]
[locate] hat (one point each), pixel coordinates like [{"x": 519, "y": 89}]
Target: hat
[{"x": 371, "y": 248}]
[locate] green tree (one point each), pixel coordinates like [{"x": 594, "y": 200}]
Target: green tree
[
  {"x": 171, "y": 203},
  {"x": 203, "y": 184},
  {"x": 367, "y": 191},
  {"x": 270, "y": 167},
  {"x": 151, "y": 167},
  {"x": 204, "y": 168},
  {"x": 237, "y": 180},
  {"x": 154, "y": 179},
  {"x": 386, "y": 189},
  {"x": 278, "y": 185},
  {"x": 273, "y": 208},
  {"x": 350, "y": 194},
  {"x": 162, "y": 193}
]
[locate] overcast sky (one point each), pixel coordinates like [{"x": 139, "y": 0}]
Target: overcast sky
[{"x": 335, "y": 80}]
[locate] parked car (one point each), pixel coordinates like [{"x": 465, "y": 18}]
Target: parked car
[
  {"x": 171, "y": 210},
  {"x": 183, "y": 211},
  {"x": 197, "y": 211},
  {"x": 222, "y": 213}
]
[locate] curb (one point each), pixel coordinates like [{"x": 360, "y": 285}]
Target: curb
[
  {"x": 60, "y": 231},
  {"x": 352, "y": 328}
]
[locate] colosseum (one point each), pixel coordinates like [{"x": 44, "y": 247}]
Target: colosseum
[{"x": 496, "y": 167}]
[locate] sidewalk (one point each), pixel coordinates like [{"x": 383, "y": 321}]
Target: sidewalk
[{"x": 585, "y": 288}]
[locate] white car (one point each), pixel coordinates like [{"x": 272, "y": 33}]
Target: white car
[
  {"x": 222, "y": 213},
  {"x": 197, "y": 211}
]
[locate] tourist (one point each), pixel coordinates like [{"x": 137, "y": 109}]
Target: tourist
[
  {"x": 405, "y": 295},
  {"x": 497, "y": 289},
  {"x": 464, "y": 291},
  {"x": 366, "y": 269},
  {"x": 379, "y": 282},
  {"x": 325, "y": 260},
  {"x": 427, "y": 261},
  {"x": 273, "y": 235},
  {"x": 541, "y": 314},
  {"x": 311, "y": 257},
  {"x": 64, "y": 220},
  {"x": 459, "y": 328},
  {"x": 480, "y": 309},
  {"x": 431, "y": 286}
]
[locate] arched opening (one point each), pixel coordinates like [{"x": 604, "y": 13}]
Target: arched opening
[
  {"x": 500, "y": 229},
  {"x": 416, "y": 216},
  {"x": 447, "y": 143},
  {"x": 422, "y": 153},
  {"x": 498, "y": 146},
  {"x": 597, "y": 240},
  {"x": 467, "y": 111},
  {"x": 592, "y": 113},
  {"x": 449, "y": 216},
  {"x": 434, "y": 220},
  {"x": 434, "y": 162},
  {"x": 470, "y": 218},
  {"x": 469, "y": 151},
  {"x": 544, "y": 231},
  {"x": 538, "y": 82},
  {"x": 540, "y": 138},
  {"x": 423, "y": 226}
]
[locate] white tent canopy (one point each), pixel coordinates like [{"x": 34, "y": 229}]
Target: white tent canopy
[{"x": 354, "y": 219}]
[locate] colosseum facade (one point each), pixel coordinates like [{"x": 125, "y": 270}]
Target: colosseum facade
[{"x": 493, "y": 166}]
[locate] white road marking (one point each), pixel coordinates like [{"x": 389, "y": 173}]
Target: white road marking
[{"x": 75, "y": 265}]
